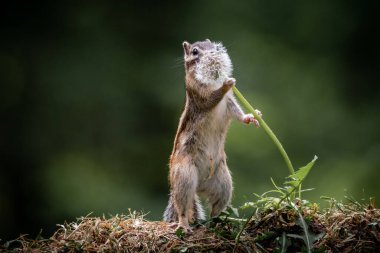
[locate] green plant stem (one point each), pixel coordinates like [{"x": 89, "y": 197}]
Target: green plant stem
[
  {"x": 266, "y": 129},
  {"x": 237, "y": 238}
]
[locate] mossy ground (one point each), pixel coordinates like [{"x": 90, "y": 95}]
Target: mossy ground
[{"x": 344, "y": 228}]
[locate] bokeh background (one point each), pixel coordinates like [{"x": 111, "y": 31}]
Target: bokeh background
[{"x": 91, "y": 93}]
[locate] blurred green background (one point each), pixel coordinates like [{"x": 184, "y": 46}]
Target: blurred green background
[{"x": 91, "y": 93}]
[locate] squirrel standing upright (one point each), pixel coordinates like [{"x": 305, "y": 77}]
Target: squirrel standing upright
[{"x": 198, "y": 161}]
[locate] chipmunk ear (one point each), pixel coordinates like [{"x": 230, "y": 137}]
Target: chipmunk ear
[{"x": 186, "y": 47}]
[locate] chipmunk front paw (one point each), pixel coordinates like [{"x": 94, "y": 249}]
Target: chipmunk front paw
[
  {"x": 249, "y": 118},
  {"x": 229, "y": 83}
]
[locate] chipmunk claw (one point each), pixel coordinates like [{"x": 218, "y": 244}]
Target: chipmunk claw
[
  {"x": 173, "y": 225},
  {"x": 258, "y": 113},
  {"x": 249, "y": 118},
  {"x": 229, "y": 82},
  {"x": 256, "y": 123},
  {"x": 176, "y": 226},
  {"x": 185, "y": 229}
]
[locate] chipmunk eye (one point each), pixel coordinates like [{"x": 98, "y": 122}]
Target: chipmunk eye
[{"x": 195, "y": 51}]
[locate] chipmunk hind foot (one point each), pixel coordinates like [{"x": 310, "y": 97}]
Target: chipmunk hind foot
[{"x": 196, "y": 214}]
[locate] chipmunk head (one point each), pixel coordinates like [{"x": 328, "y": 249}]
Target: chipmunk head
[{"x": 207, "y": 61}]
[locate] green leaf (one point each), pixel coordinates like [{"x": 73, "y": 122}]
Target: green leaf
[
  {"x": 283, "y": 243},
  {"x": 296, "y": 236},
  {"x": 275, "y": 186},
  {"x": 235, "y": 211},
  {"x": 308, "y": 237},
  {"x": 297, "y": 177},
  {"x": 185, "y": 249},
  {"x": 179, "y": 233},
  {"x": 301, "y": 174}
]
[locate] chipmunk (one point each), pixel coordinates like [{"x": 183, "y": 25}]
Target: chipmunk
[{"x": 198, "y": 162}]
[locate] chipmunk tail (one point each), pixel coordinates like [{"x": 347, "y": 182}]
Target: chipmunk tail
[{"x": 171, "y": 215}]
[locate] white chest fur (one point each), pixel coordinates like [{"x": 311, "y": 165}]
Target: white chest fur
[{"x": 215, "y": 129}]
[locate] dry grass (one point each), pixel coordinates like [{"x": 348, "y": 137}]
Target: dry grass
[
  {"x": 351, "y": 230},
  {"x": 343, "y": 229},
  {"x": 120, "y": 233}
]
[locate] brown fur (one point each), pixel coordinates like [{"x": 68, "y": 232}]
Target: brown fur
[{"x": 198, "y": 161}]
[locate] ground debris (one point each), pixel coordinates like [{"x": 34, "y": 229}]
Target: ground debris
[
  {"x": 351, "y": 230},
  {"x": 347, "y": 229},
  {"x": 119, "y": 234}
]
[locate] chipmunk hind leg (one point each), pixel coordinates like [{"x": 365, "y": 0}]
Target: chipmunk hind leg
[
  {"x": 184, "y": 179},
  {"x": 220, "y": 189}
]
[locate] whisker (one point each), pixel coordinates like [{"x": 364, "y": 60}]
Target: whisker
[{"x": 178, "y": 62}]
